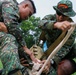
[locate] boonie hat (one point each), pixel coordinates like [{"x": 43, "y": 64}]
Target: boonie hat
[{"x": 65, "y": 7}]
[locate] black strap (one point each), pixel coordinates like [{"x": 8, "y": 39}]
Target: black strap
[
  {"x": 13, "y": 71},
  {"x": 0, "y": 71}
]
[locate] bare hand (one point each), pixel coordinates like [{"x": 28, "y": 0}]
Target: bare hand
[
  {"x": 3, "y": 28},
  {"x": 23, "y": 62},
  {"x": 64, "y": 26},
  {"x": 34, "y": 59},
  {"x": 47, "y": 67}
]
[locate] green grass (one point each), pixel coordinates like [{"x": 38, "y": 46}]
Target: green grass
[
  {"x": 74, "y": 73},
  {"x": 75, "y": 61},
  {"x": 1, "y": 66}
]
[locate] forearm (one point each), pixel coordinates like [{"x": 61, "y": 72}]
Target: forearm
[
  {"x": 30, "y": 54},
  {"x": 27, "y": 50},
  {"x": 65, "y": 25},
  {"x": 46, "y": 24}
]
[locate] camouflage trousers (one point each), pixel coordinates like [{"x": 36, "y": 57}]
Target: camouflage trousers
[{"x": 9, "y": 53}]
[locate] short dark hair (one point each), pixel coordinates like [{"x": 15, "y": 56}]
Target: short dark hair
[
  {"x": 73, "y": 63},
  {"x": 31, "y": 3},
  {"x": 73, "y": 66}
]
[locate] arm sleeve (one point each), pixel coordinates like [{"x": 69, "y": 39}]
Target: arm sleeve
[
  {"x": 10, "y": 15},
  {"x": 46, "y": 22}
]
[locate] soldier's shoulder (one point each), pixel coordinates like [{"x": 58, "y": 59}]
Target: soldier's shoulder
[
  {"x": 10, "y": 1},
  {"x": 50, "y": 17}
]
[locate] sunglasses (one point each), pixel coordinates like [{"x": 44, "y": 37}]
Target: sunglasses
[{"x": 59, "y": 13}]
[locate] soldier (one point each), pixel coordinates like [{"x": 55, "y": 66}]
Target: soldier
[
  {"x": 11, "y": 14},
  {"x": 70, "y": 66},
  {"x": 53, "y": 26}
]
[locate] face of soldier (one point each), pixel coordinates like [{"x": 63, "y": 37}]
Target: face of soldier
[
  {"x": 64, "y": 68},
  {"x": 60, "y": 17},
  {"x": 25, "y": 10}
]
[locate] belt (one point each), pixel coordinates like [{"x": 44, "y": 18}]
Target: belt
[{"x": 15, "y": 72}]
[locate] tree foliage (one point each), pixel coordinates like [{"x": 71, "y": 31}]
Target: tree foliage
[{"x": 31, "y": 30}]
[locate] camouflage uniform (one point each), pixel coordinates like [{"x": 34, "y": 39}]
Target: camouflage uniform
[
  {"x": 51, "y": 34},
  {"x": 9, "y": 14}
]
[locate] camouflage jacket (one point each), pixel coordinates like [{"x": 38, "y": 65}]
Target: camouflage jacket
[
  {"x": 9, "y": 14},
  {"x": 51, "y": 34}
]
